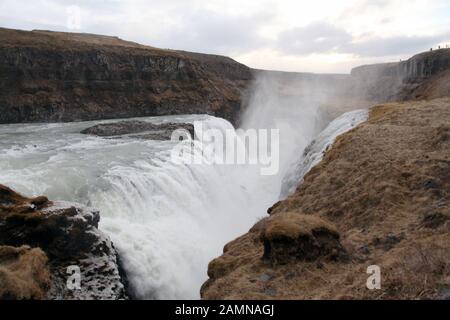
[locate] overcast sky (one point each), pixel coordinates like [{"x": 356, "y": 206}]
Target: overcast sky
[{"x": 290, "y": 35}]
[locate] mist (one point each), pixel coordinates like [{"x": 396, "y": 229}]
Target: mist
[{"x": 298, "y": 104}]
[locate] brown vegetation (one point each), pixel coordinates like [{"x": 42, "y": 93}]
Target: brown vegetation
[
  {"x": 293, "y": 236},
  {"x": 385, "y": 187},
  {"x": 24, "y": 273}
]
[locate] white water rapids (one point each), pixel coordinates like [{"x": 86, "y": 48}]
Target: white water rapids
[{"x": 167, "y": 220}]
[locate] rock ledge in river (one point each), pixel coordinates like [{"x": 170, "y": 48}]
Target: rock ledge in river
[{"x": 139, "y": 129}]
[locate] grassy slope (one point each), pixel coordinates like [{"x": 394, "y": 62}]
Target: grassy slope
[{"x": 385, "y": 186}]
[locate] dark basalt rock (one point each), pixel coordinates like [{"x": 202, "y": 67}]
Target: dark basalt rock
[
  {"x": 434, "y": 220},
  {"x": 388, "y": 241},
  {"x": 68, "y": 235},
  {"x": 139, "y": 129}
]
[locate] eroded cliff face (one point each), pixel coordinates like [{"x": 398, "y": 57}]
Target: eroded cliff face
[
  {"x": 380, "y": 196},
  {"x": 42, "y": 243},
  {"x": 423, "y": 76},
  {"x": 53, "y": 76}
]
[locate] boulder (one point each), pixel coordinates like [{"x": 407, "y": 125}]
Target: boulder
[{"x": 291, "y": 236}]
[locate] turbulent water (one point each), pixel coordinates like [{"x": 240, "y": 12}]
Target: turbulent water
[{"x": 167, "y": 220}]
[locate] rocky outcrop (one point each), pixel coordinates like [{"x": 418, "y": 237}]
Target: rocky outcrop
[
  {"x": 380, "y": 196},
  {"x": 425, "y": 64},
  {"x": 140, "y": 129},
  {"x": 53, "y": 77},
  {"x": 43, "y": 243},
  {"x": 292, "y": 236}
]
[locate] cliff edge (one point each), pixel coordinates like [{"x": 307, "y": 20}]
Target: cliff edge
[{"x": 423, "y": 76}]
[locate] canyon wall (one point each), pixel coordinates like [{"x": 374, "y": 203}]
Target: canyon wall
[
  {"x": 421, "y": 65},
  {"x": 423, "y": 76},
  {"x": 60, "y": 77},
  {"x": 57, "y": 77}
]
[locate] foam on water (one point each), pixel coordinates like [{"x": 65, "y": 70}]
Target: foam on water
[{"x": 167, "y": 220}]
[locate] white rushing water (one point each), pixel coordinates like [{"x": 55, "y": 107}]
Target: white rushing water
[
  {"x": 167, "y": 220},
  {"x": 314, "y": 152}
]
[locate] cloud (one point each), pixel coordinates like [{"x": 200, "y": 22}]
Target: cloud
[
  {"x": 364, "y": 7},
  {"x": 322, "y": 37},
  {"x": 268, "y": 33},
  {"x": 398, "y": 45},
  {"x": 317, "y": 37},
  {"x": 209, "y": 31}
]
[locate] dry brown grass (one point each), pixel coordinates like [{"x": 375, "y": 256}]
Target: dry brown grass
[
  {"x": 294, "y": 236},
  {"x": 385, "y": 186},
  {"x": 294, "y": 225},
  {"x": 24, "y": 273},
  {"x": 16, "y": 206},
  {"x": 68, "y": 40}
]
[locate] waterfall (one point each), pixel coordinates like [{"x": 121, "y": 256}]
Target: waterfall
[{"x": 167, "y": 220}]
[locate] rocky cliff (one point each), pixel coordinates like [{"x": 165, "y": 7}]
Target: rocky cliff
[
  {"x": 380, "y": 196},
  {"x": 423, "y": 76},
  {"x": 53, "y": 76},
  {"x": 44, "y": 243}
]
